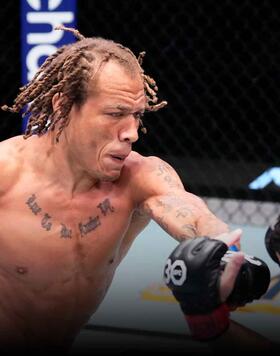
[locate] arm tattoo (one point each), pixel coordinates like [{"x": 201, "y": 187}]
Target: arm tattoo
[
  {"x": 189, "y": 232},
  {"x": 166, "y": 208},
  {"x": 183, "y": 212},
  {"x": 166, "y": 171}
]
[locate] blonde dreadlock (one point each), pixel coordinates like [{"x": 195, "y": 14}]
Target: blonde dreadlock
[{"x": 67, "y": 72}]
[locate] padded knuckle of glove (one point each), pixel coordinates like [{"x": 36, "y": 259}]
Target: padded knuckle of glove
[
  {"x": 193, "y": 272},
  {"x": 198, "y": 274},
  {"x": 272, "y": 242}
]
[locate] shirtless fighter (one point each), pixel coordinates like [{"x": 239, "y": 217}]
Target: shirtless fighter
[{"x": 74, "y": 196}]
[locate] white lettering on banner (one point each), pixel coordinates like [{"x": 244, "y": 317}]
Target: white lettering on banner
[
  {"x": 51, "y": 18},
  {"x": 248, "y": 258},
  {"x": 43, "y": 44},
  {"x": 267, "y": 177},
  {"x": 175, "y": 272},
  {"x": 37, "y": 5}
]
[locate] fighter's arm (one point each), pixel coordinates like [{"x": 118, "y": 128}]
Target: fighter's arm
[{"x": 180, "y": 213}]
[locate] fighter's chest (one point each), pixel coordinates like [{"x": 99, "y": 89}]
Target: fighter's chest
[
  {"x": 79, "y": 218},
  {"x": 55, "y": 216}
]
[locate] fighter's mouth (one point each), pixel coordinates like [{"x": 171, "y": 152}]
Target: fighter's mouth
[{"x": 119, "y": 158}]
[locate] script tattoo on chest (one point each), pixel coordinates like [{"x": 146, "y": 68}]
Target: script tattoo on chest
[
  {"x": 65, "y": 232},
  {"x": 105, "y": 207},
  {"x": 93, "y": 222},
  {"x": 33, "y": 204},
  {"x": 89, "y": 226},
  {"x": 46, "y": 222},
  {"x": 85, "y": 228}
]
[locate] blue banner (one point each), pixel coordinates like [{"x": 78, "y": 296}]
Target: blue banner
[{"x": 39, "y": 39}]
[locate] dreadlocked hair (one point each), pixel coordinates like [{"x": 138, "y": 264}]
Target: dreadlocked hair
[{"x": 67, "y": 73}]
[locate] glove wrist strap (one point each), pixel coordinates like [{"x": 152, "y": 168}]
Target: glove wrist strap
[{"x": 205, "y": 327}]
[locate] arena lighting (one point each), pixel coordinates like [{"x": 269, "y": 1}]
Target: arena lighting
[{"x": 271, "y": 175}]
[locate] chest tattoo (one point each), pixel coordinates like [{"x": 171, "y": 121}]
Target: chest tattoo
[
  {"x": 105, "y": 207},
  {"x": 65, "y": 232},
  {"x": 33, "y": 204},
  {"x": 46, "y": 222},
  {"x": 89, "y": 226}
]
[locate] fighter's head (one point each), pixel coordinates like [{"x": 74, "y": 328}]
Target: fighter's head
[{"x": 67, "y": 73}]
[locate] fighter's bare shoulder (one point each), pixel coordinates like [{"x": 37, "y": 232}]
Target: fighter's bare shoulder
[
  {"x": 10, "y": 162},
  {"x": 150, "y": 175}
]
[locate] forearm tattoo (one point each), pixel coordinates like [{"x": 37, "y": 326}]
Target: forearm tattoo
[
  {"x": 175, "y": 217},
  {"x": 91, "y": 224},
  {"x": 188, "y": 230}
]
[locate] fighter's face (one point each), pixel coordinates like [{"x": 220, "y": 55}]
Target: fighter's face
[{"x": 102, "y": 130}]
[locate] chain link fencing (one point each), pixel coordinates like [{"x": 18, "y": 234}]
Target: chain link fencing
[{"x": 216, "y": 62}]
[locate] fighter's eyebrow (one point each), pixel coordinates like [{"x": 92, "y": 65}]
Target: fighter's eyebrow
[{"x": 125, "y": 108}]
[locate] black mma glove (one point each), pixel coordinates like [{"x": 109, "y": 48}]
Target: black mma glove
[
  {"x": 272, "y": 241},
  {"x": 251, "y": 282},
  {"x": 193, "y": 271}
]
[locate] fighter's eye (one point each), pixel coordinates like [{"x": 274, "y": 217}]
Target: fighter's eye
[
  {"x": 116, "y": 114},
  {"x": 138, "y": 115}
]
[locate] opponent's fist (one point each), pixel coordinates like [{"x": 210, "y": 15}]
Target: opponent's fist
[
  {"x": 272, "y": 241},
  {"x": 193, "y": 273},
  {"x": 252, "y": 280}
]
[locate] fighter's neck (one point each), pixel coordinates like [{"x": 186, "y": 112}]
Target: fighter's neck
[{"x": 56, "y": 164}]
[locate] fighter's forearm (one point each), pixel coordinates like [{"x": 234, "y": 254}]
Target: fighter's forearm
[{"x": 184, "y": 216}]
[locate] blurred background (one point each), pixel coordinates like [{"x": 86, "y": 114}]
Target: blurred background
[{"x": 216, "y": 62}]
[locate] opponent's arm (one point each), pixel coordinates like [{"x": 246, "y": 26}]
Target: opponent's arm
[
  {"x": 209, "y": 281},
  {"x": 272, "y": 241},
  {"x": 239, "y": 337}
]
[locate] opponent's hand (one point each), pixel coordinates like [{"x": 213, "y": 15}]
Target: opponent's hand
[
  {"x": 207, "y": 280},
  {"x": 272, "y": 242},
  {"x": 232, "y": 268}
]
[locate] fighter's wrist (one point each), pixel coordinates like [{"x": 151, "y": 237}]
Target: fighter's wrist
[{"x": 205, "y": 327}]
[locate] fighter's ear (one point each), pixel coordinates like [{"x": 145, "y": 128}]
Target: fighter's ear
[{"x": 56, "y": 101}]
